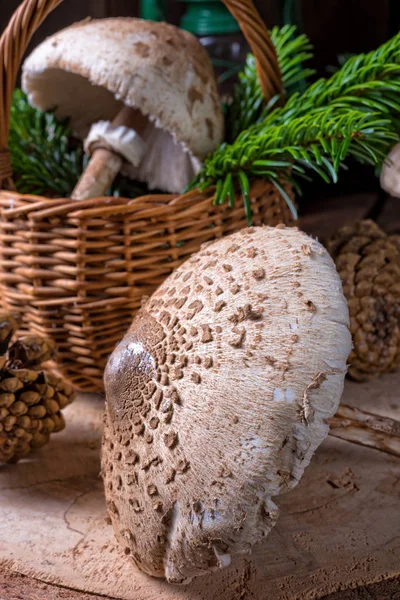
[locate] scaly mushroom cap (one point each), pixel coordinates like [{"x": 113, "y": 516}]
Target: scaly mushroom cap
[
  {"x": 90, "y": 70},
  {"x": 218, "y": 397}
]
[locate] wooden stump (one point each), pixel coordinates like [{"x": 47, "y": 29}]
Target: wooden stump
[{"x": 338, "y": 529}]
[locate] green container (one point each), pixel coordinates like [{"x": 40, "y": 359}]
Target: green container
[
  {"x": 152, "y": 10},
  {"x": 208, "y": 17}
]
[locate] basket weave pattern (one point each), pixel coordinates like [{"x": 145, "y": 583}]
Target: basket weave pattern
[{"x": 77, "y": 271}]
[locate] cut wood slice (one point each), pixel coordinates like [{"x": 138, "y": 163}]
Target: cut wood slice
[{"x": 336, "y": 530}]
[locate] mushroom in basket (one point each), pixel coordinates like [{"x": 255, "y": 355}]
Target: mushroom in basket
[{"x": 142, "y": 94}]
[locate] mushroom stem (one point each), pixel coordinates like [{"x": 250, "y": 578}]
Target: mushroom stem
[
  {"x": 366, "y": 429},
  {"x": 105, "y": 162},
  {"x": 101, "y": 171}
]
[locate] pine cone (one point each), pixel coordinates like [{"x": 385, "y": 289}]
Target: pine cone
[
  {"x": 30, "y": 399},
  {"x": 368, "y": 262}
]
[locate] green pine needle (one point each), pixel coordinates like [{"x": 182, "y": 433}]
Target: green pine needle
[
  {"x": 353, "y": 113},
  {"x": 248, "y": 105},
  {"x": 42, "y": 157},
  {"x": 318, "y": 141},
  {"x": 369, "y": 82}
]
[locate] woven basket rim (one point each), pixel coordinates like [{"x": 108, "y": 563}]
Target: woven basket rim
[
  {"x": 38, "y": 208},
  {"x": 43, "y": 208}
]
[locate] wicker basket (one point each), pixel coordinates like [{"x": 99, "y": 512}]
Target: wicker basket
[{"x": 77, "y": 271}]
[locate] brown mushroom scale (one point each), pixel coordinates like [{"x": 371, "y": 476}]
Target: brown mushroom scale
[{"x": 218, "y": 397}]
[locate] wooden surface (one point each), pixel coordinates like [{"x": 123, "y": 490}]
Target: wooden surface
[
  {"x": 338, "y": 529},
  {"x": 19, "y": 587}
]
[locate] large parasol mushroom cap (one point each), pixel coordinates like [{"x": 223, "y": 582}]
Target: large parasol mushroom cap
[
  {"x": 92, "y": 70},
  {"x": 218, "y": 397}
]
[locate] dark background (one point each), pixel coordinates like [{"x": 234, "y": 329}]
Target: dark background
[{"x": 334, "y": 26}]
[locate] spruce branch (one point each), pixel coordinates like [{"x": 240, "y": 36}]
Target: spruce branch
[
  {"x": 42, "y": 157},
  {"x": 369, "y": 82},
  {"x": 292, "y": 49},
  {"x": 319, "y": 141},
  {"x": 353, "y": 113},
  {"x": 248, "y": 106}
]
